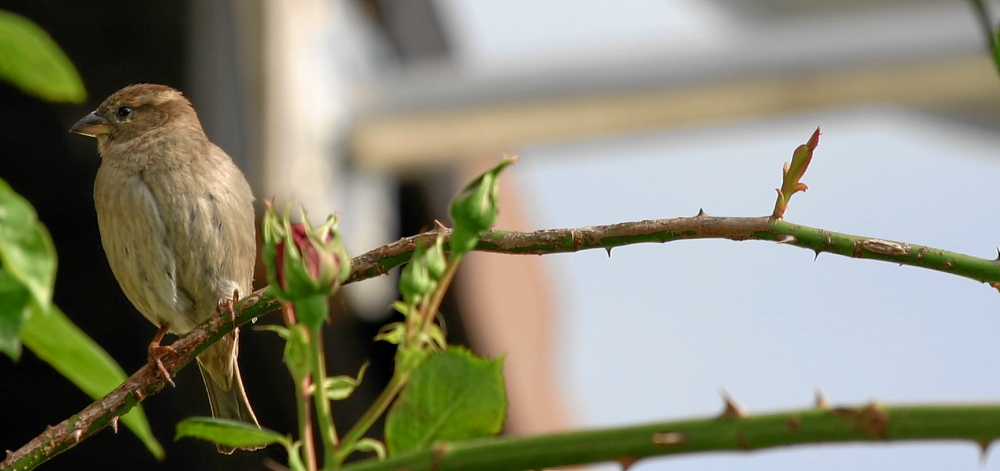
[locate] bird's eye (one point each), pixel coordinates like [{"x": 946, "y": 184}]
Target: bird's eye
[{"x": 124, "y": 111}]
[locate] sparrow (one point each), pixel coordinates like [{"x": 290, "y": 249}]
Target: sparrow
[{"x": 176, "y": 219}]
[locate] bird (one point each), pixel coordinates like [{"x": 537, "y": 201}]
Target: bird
[{"x": 176, "y": 220}]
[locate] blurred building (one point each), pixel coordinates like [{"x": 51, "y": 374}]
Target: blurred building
[{"x": 380, "y": 109}]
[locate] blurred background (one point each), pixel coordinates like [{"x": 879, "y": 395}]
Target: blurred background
[{"x": 620, "y": 111}]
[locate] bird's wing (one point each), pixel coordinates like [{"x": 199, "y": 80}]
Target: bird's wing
[{"x": 136, "y": 243}]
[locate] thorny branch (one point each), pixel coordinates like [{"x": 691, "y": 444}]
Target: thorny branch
[{"x": 147, "y": 381}]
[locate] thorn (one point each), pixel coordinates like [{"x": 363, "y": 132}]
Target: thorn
[
  {"x": 984, "y": 448},
  {"x": 998, "y": 255},
  {"x": 438, "y": 226},
  {"x": 702, "y": 214},
  {"x": 114, "y": 424},
  {"x": 875, "y": 421},
  {"x": 437, "y": 453},
  {"x": 741, "y": 440},
  {"x": 787, "y": 239},
  {"x": 627, "y": 462},
  {"x": 669, "y": 439},
  {"x": 815, "y": 257},
  {"x": 608, "y": 249},
  {"x": 733, "y": 410},
  {"x": 795, "y": 422},
  {"x": 77, "y": 435},
  {"x": 821, "y": 400}
]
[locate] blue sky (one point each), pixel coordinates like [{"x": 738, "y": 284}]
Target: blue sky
[{"x": 655, "y": 331}]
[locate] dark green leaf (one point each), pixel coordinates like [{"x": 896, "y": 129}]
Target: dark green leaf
[
  {"x": 453, "y": 395},
  {"x": 26, "y": 251}
]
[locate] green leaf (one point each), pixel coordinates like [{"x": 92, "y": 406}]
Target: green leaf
[
  {"x": 33, "y": 62},
  {"x": 26, "y": 251},
  {"x": 341, "y": 387},
  {"x": 15, "y": 309},
  {"x": 228, "y": 432},
  {"x": 368, "y": 444},
  {"x": 392, "y": 333},
  {"x": 995, "y": 48},
  {"x": 297, "y": 352},
  {"x": 27, "y": 268},
  {"x": 453, "y": 395},
  {"x": 791, "y": 181},
  {"x": 61, "y": 344},
  {"x": 435, "y": 335},
  {"x": 404, "y": 309}
]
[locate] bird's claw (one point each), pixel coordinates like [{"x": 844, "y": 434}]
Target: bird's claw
[
  {"x": 156, "y": 353},
  {"x": 227, "y": 306}
]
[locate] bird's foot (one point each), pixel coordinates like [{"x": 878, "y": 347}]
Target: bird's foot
[
  {"x": 227, "y": 306},
  {"x": 157, "y": 352}
]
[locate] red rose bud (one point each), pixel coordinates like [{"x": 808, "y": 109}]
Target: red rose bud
[{"x": 305, "y": 264}]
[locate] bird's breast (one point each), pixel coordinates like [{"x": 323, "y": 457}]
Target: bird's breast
[{"x": 138, "y": 248}]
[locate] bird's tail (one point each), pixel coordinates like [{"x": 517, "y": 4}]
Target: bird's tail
[{"x": 226, "y": 402}]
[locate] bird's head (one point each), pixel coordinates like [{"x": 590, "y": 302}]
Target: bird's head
[{"x": 137, "y": 110}]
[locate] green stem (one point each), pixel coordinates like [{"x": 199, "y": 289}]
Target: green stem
[
  {"x": 358, "y": 431},
  {"x": 324, "y": 416},
  {"x": 903, "y": 253},
  {"x": 302, "y": 398},
  {"x": 305, "y": 423},
  {"x": 430, "y": 309},
  {"x": 312, "y": 312},
  {"x": 978, "y": 424}
]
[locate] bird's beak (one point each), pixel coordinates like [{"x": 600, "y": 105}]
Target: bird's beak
[{"x": 91, "y": 125}]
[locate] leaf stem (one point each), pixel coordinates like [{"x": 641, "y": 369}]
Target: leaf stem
[{"x": 382, "y": 402}]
